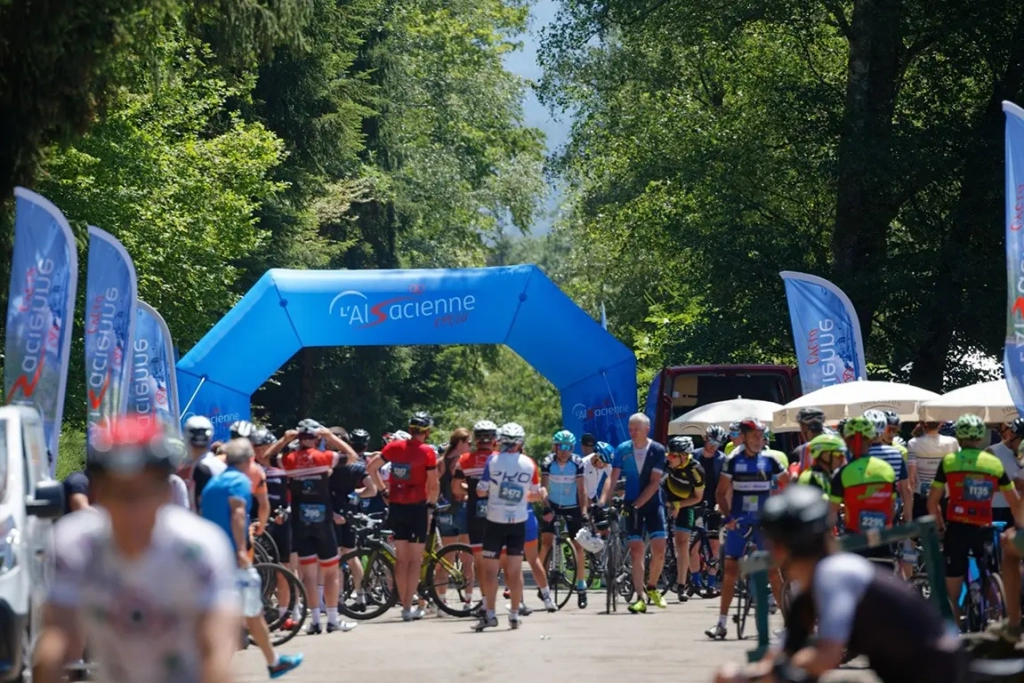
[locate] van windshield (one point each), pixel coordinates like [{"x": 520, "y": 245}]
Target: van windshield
[{"x": 3, "y": 459}]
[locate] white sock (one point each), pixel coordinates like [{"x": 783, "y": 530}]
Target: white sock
[
  {"x": 296, "y": 613},
  {"x": 722, "y": 618},
  {"x": 332, "y": 615},
  {"x": 277, "y": 660},
  {"x": 545, "y": 592},
  {"x": 490, "y": 614},
  {"x": 315, "y": 616}
]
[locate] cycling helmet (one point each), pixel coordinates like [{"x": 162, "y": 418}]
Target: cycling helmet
[
  {"x": 970, "y": 428},
  {"x": 588, "y": 439},
  {"x": 734, "y": 428},
  {"x": 242, "y": 429},
  {"x": 564, "y": 438},
  {"x": 262, "y": 437},
  {"x": 511, "y": 434},
  {"x": 825, "y": 443},
  {"x": 485, "y": 430},
  {"x": 948, "y": 429},
  {"x": 360, "y": 438},
  {"x": 131, "y": 444},
  {"x": 809, "y": 415},
  {"x": 421, "y": 421},
  {"x": 589, "y": 541},
  {"x": 751, "y": 424},
  {"x": 198, "y": 431},
  {"x": 308, "y": 428},
  {"x": 892, "y": 418},
  {"x": 680, "y": 444},
  {"x": 840, "y": 426},
  {"x": 1017, "y": 426},
  {"x": 796, "y": 518},
  {"x": 860, "y": 426},
  {"x": 715, "y": 435},
  {"x": 878, "y": 419},
  {"x": 604, "y": 452},
  {"x": 401, "y": 436}
]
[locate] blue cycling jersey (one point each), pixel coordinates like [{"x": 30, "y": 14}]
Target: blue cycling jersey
[
  {"x": 562, "y": 480},
  {"x": 752, "y": 478},
  {"x": 637, "y": 478}
]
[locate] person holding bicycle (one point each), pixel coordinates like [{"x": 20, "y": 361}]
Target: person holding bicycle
[
  {"x": 566, "y": 497},
  {"x": 712, "y": 459},
  {"x": 971, "y": 478},
  {"x": 848, "y": 605},
  {"x": 746, "y": 483},
  {"x": 683, "y": 488}
]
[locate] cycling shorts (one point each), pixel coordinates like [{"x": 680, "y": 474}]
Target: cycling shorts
[
  {"x": 476, "y": 528},
  {"x": 315, "y": 542},
  {"x": 282, "y": 535},
  {"x": 508, "y": 537},
  {"x": 573, "y": 520},
  {"x": 683, "y": 520},
  {"x": 408, "y": 521},
  {"x": 532, "y": 529},
  {"x": 736, "y": 541},
  {"x": 649, "y": 520},
  {"x": 961, "y": 540},
  {"x": 453, "y": 522}
]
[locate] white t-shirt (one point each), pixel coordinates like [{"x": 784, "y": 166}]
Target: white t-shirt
[
  {"x": 1013, "y": 471},
  {"x": 593, "y": 477},
  {"x": 508, "y": 479},
  {"x": 927, "y": 451},
  {"x": 179, "y": 491},
  {"x": 141, "y": 617},
  {"x": 640, "y": 455}
]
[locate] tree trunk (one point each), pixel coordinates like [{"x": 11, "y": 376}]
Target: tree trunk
[{"x": 864, "y": 204}]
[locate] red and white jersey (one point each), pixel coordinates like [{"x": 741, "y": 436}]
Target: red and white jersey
[{"x": 509, "y": 478}]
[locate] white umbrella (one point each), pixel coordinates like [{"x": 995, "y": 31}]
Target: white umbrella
[
  {"x": 840, "y": 401},
  {"x": 989, "y": 400},
  {"x": 721, "y": 413}
]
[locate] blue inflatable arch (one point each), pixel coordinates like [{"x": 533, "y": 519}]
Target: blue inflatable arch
[{"x": 518, "y": 306}]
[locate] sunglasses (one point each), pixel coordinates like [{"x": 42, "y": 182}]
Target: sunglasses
[
  {"x": 734, "y": 434},
  {"x": 563, "y": 447}
]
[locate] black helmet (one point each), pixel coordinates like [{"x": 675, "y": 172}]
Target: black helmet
[
  {"x": 797, "y": 518},
  {"x": 420, "y": 421},
  {"x": 308, "y": 427},
  {"x": 680, "y": 444},
  {"x": 948, "y": 429},
  {"x": 242, "y": 429},
  {"x": 588, "y": 440},
  {"x": 131, "y": 444},
  {"x": 809, "y": 415},
  {"x": 360, "y": 438},
  {"x": 892, "y": 418}
]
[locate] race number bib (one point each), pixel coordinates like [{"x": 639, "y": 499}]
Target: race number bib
[
  {"x": 870, "y": 519},
  {"x": 401, "y": 470},
  {"x": 510, "y": 493},
  {"x": 481, "y": 508},
  {"x": 751, "y": 503},
  {"x": 312, "y": 514},
  {"x": 978, "y": 489}
]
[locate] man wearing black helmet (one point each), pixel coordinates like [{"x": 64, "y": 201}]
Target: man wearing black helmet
[
  {"x": 848, "y": 605},
  {"x": 150, "y": 585},
  {"x": 350, "y": 484},
  {"x": 812, "y": 424}
]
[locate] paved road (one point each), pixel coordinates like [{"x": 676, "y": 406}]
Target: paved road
[{"x": 582, "y": 644}]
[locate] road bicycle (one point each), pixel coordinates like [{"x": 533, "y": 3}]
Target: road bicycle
[
  {"x": 560, "y": 565},
  {"x": 745, "y": 595}
]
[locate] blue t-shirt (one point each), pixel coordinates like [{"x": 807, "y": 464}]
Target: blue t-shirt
[
  {"x": 752, "y": 479},
  {"x": 637, "y": 478},
  {"x": 562, "y": 480},
  {"x": 216, "y": 496},
  {"x": 891, "y": 455}
]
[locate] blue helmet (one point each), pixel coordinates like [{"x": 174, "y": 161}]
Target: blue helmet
[
  {"x": 604, "y": 451},
  {"x": 564, "y": 438}
]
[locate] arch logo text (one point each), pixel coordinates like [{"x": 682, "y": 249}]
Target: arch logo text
[{"x": 355, "y": 308}]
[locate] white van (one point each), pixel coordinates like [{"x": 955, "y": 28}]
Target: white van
[{"x": 29, "y": 502}]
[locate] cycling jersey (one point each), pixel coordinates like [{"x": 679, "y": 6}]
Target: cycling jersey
[
  {"x": 141, "y": 617},
  {"x": 637, "y": 466},
  {"x": 802, "y": 456},
  {"x": 208, "y": 467},
  {"x": 471, "y": 467},
  {"x": 751, "y": 478},
  {"x": 893, "y": 456},
  {"x": 309, "y": 472},
  {"x": 971, "y": 478},
  {"x": 729, "y": 448},
  {"x": 816, "y": 476},
  {"x": 712, "y": 471},
  {"x": 684, "y": 482},
  {"x": 343, "y": 482},
  {"x": 562, "y": 479},
  {"x": 258, "y": 478},
  {"x": 783, "y": 461},
  {"x": 593, "y": 478},
  {"x": 277, "y": 488},
  {"x": 410, "y": 462},
  {"x": 508, "y": 479},
  {"x": 217, "y": 499},
  {"x": 867, "y": 487},
  {"x": 927, "y": 452}
]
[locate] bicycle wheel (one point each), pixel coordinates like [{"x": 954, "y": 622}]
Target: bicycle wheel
[
  {"x": 562, "y": 572},
  {"x": 284, "y": 597},
  {"x": 993, "y": 604},
  {"x": 611, "y": 570},
  {"x": 270, "y": 545},
  {"x": 378, "y": 585},
  {"x": 742, "y": 606},
  {"x": 448, "y": 586}
]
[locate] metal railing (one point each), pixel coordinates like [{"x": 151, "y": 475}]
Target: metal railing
[{"x": 756, "y": 566}]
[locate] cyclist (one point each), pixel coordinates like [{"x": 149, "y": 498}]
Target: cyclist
[
  {"x": 848, "y": 605},
  {"x": 1012, "y": 435},
  {"x": 827, "y": 453},
  {"x": 712, "y": 460},
  {"x": 186, "y": 595},
  {"x": 735, "y": 437},
  {"x": 509, "y": 482},
  {"x": 350, "y": 484},
  {"x": 309, "y": 469},
  {"x": 924, "y": 454},
  {"x": 745, "y": 484},
  {"x": 411, "y": 501},
  {"x": 595, "y": 470},
  {"x": 202, "y": 464},
  {"x": 865, "y": 486},
  {"x": 970, "y": 478},
  {"x": 226, "y": 502},
  {"x": 683, "y": 489},
  {"x": 892, "y": 455},
  {"x": 812, "y": 425},
  {"x": 561, "y": 475},
  {"x": 468, "y": 470},
  {"x": 891, "y": 435},
  {"x": 588, "y": 444},
  {"x": 641, "y": 462}
]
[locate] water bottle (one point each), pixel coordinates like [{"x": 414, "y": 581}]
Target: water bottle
[
  {"x": 251, "y": 587},
  {"x": 353, "y": 499}
]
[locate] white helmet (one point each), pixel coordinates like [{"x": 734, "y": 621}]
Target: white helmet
[
  {"x": 198, "y": 431},
  {"x": 511, "y": 434},
  {"x": 401, "y": 435},
  {"x": 878, "y": 419},
  {"x": 484, "y": 427},
  {"x": 589, "y": 541}
]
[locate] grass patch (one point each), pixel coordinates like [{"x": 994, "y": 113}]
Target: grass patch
[{"x": 71, "y": 456}]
